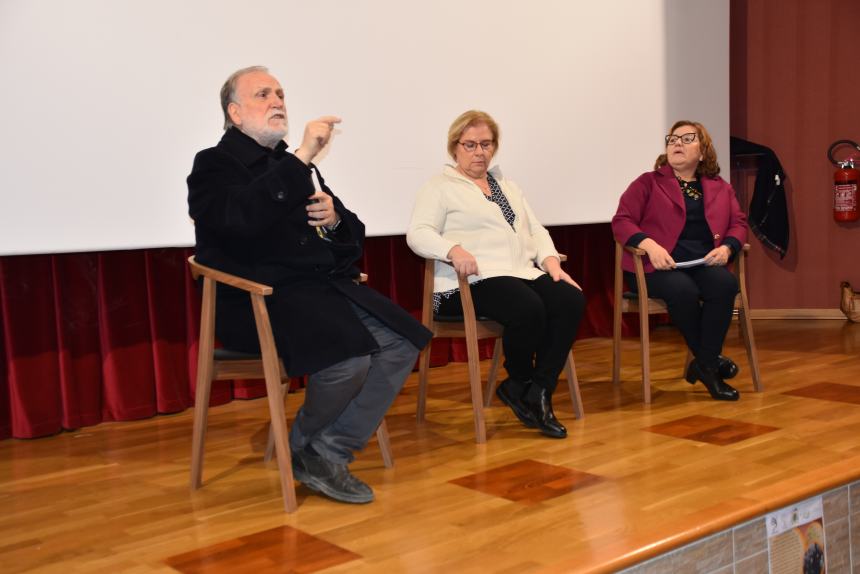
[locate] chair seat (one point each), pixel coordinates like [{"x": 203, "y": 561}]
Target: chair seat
[
  {"x": 456, "y": 318},
  {"x": 633, "y": 296},
  {"x": 231, "y": 355}
]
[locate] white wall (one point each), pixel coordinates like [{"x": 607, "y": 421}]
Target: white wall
[{"x": 105, "y": 102}]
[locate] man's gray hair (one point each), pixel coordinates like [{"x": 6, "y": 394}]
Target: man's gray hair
[{"x": 228, "y": 90}]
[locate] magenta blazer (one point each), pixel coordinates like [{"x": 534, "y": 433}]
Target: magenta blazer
[{"x": 653, "y": 204}]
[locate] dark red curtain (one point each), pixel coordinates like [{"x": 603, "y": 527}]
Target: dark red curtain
[{"x": 110, "y": 336}]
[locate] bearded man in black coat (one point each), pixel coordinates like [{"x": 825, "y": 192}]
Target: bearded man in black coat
[{"x": 256, "y": 214}]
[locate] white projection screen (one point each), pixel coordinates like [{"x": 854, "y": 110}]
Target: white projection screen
[{"x": 105, "y": 102}]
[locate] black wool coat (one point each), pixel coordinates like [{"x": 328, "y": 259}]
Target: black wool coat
[{"x": 248, "y": 206}]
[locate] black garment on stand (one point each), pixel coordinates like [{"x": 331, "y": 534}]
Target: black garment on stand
[{"x": 768, "y": 210}]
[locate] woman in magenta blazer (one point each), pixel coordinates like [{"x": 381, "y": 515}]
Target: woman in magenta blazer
[{"x": 683, "y": 211}]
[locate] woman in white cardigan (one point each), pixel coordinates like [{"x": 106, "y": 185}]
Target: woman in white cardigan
[{"x": 478, "y": 224}]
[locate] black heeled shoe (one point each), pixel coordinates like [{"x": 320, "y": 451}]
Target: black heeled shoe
[
  {"x": 541, "y": 411},
  {"x": 718, "y": 389},
  {"x": 726, "y": 368},
  {"x": 511, "y": 393}
]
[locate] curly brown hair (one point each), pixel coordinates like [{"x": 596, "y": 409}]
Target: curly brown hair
[{"x": 708, "y": 166}]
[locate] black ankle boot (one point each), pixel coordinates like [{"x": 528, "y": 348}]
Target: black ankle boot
[
  {"x": 710, "y": 377},
  {"x": 726, "y": 368},
  {"x": 539, "y": 402},
  {"x": 511, "y": 393}
]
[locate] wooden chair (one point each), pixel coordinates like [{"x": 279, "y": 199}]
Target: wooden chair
[
  {"x": 629, "y": 302},
  {"x": 221, "y": 364},
  {"x": 472, "y": 328}
]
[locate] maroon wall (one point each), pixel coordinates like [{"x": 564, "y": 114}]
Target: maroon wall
[{"x": 795, "y": 87}]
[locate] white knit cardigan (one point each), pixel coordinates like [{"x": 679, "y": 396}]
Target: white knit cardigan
[{"x": 452, "y": 210}]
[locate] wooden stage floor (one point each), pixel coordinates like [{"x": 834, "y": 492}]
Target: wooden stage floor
[{"x": 631, "y": 480}]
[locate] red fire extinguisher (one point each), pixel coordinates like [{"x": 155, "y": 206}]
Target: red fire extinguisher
[{"x": 845, "y": 182}]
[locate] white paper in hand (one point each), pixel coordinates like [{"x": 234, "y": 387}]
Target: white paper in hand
[{"x": 693, "y": 263}]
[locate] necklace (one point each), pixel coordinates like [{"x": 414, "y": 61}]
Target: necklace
[{"x": 690, "y": 189}]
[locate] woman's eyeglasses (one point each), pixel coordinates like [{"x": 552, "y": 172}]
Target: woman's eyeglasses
[
  {"x": 486, "y": 145},
  {"x": 685, "y": 138}
]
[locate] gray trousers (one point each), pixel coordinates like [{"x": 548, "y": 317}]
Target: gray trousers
[{"x": 344, "y": 403}]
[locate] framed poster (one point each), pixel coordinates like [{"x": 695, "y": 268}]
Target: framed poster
[{"x": 795, "y": 539}]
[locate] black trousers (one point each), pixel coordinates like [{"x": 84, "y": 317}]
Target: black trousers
[
  {"x": 700, "y": 302},
  {"x": 541, "y": 318}
]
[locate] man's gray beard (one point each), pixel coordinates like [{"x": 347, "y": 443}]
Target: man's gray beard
[{"x": 268, "y": 137}]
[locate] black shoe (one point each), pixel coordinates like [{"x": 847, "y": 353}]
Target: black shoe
[
  {"x": 329, "y": 478},
  {"x": 727, "y": 369},
  {"x": 718, "y": 389},
  {"x": 511, "y": 393},
  {"x": 541, "y": 412}
]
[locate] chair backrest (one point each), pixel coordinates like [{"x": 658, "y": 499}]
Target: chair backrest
[
  {"x": 454, "y": 326},
  {"x": 629, "y": 302},
  {"x": 427, "y": 295},
  {"x": 233, "y": 366},
  {"x": 198, "y": 270}
]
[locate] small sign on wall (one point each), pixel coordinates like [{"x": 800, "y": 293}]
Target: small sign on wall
[{"x": 795, "y": 537}]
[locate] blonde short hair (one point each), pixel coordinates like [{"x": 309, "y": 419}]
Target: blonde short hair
[{"x": 467, "y": 120}]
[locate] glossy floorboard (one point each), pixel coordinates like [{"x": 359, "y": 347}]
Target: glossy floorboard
[{"x": 630, "y": 481}]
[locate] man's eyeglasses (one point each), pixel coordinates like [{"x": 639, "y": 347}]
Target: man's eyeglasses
[
  {"x": 685, "y": 138},
  {"x": 486, "y": 145}
]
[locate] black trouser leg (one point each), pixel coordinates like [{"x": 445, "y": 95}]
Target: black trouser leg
[
  {"x": 540, "y": 317},
  {"x": 718, "y": 288},
  {"x": 700, "y": 302},
  {"x": 509, "y": 301},
  {"x": 565, "y": 306}
]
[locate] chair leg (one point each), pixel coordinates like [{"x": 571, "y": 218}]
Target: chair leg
[
  {"x": 616, "y": 344},
  {"x": 645, "y": 350},
  {"x": 749, "y": 343},
  {"x": 573, "y": 386},
  {"x": 475, "y": 386},
  {"x": 282, "y": 446},
  {"x": 494, "y": 372},
  {"x": 423, "y": 372},
  {"x": 205, "y": 369},
  {"x": 617, "y": 307},
  {"x": 270, "y": 443},
  {"x": 272, "y": 372},
  {"x": 384, "y": 444},
  {"x": 381, "y": 437},
  {"x": 687, "y": 362},
  {"x": 201, "y": 413}
]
